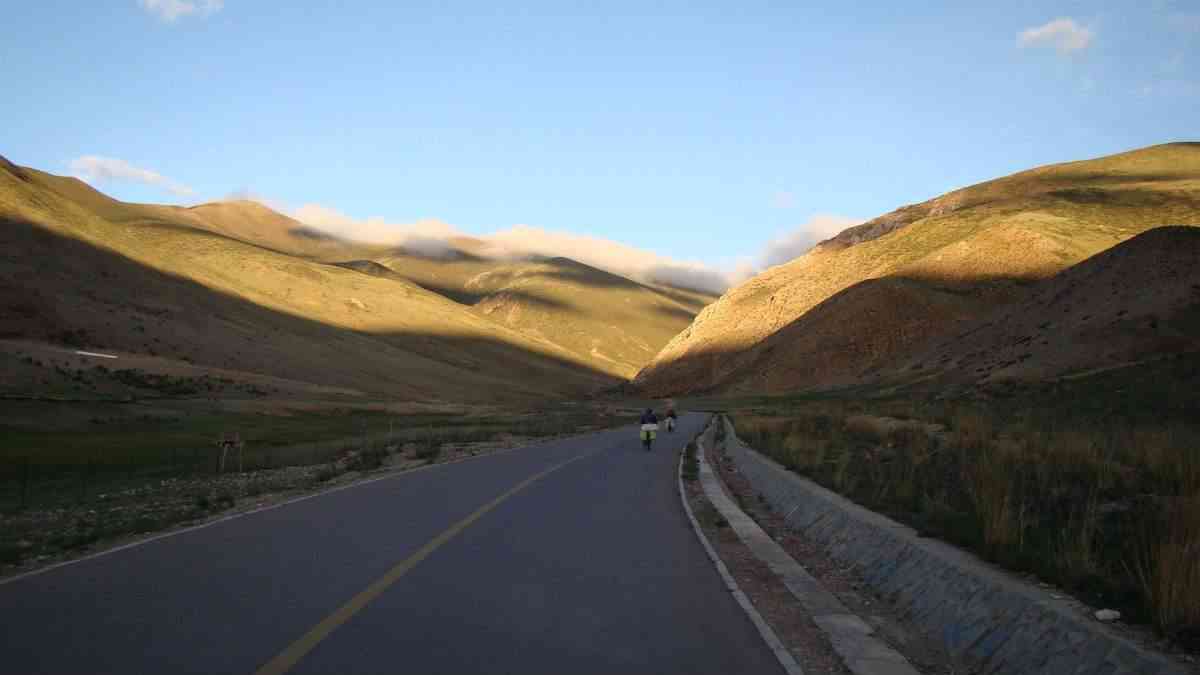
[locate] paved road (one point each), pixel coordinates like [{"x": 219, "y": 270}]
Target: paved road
[{"x": 590, "y": 568}]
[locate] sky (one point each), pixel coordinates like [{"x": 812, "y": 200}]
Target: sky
[{"x": 721, "y": 136}]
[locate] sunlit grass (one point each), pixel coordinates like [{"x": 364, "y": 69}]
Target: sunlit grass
[{"x": 1093, "y": 488}]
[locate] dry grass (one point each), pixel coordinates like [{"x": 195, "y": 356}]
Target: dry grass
[
  {"x": 842, "y": 314},
  {"x": 48, "y": 510},
  {"x": 1167, "y": 567},
  {"x": 1107, "y": 508},
  {"x": 231, "y": 288}
]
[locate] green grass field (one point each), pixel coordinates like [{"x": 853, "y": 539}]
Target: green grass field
[{"x": 64, "y": 491}]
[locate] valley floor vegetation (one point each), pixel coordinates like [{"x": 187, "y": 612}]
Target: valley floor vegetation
[
  {"x": 65, "y": 491},
  {"x": 1090, "y": 483}
]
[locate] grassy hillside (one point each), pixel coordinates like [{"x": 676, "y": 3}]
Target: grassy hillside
[
  {"x": 869, "y": 298},
  {"x": 1135, "y": 303},
  {"x": 257, "y": 224},
  {"x": 173, "y": 289},
  {"x": 613, "y": 323}
]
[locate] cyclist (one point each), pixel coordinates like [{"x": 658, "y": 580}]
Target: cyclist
[{"x": 649, "y": 427}]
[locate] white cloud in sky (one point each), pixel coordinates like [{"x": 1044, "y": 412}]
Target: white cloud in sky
[
  {"x": 1064, "y": 35},
  {"x": 431, "y": 238},
  {"x": 95, "y": 169},
  {"x": 248, "y": 195},
  {"x": 796, "y": 243},
  {"x": 743, "y": 270},
  {"x": 609, "y": 255},
  {"x": 427, "y": 237},
  {"x": 172, "y": 10}
]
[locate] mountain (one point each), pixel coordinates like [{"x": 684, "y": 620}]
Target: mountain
[
  {"x": 241, "y": 291},
  {"x": 612, "y": 322},
  {"x": 617, "y": 322},
  {"x": 254, "y": 223},
  {"x": 857, "y": 305},
  {"x": 1136, "y": 302}
]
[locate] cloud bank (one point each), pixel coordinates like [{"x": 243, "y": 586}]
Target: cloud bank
[
  {"x": 95, "y": 169},
  {"x": 1064, "y": 35},
  {"x": 796, "y": 243},
  {"x": 425, "y": 237},
  {"x": 173, "y": 10},
  {"x": 432, "y": 238},
  {"x": 612, "y": 256}
]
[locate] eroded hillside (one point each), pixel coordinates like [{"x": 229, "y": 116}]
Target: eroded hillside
[
  {"x": 246, "y": 292},
  {"x": 856, "y": 305}
]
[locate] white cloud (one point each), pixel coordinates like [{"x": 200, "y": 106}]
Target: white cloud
[
  {"x": 609, "y": 255},
  {"x": 1064, "y": 35},
  {"x": 94, "y": 169},
  {"x": 172, "y": 10},
  {"x": 427, "y": 237},
  {"x": 246, "y": 194},
  {"x": 743, "y": 270},
  {"x": 432, "y": 238},
  {"x": 794, "y": 244}
]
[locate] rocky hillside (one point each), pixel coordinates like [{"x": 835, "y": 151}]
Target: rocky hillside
[
  {"x": 1136, "y": 302},
  {"x": 859, "y": 304},
  {"x": 244, "y": 292}
]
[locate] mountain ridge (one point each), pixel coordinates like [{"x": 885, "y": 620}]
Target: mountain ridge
[
  {"x": 963, "y": 254},
  {"x": 229, "y": 286}
]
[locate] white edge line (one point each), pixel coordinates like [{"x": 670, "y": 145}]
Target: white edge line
[
  {"x": 786, "y": 660},
  {"x": 241, "y": 514}
]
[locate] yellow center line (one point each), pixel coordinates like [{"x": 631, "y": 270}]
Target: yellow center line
[{"x": 285, "y": 660}]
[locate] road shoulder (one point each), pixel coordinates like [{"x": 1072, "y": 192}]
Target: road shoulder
[{"x": 788, "y": 631}]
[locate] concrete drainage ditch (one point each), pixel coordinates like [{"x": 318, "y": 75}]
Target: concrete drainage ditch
[{"x": 981, "y": 614}]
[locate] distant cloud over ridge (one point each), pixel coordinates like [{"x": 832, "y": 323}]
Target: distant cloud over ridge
[
  {"x": 96, "y": 169},
  {"x": 432, "y": 238},
  {"x": 628, "y": 261},
  {"x": 796, "y": 243},
  {"x": 1064, "y": 35},
  {"x": 428, "y": 237}
]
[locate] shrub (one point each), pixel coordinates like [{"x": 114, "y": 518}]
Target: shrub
[
  {"x": 1167, "y": 570},
  {"x": 325, "y": 473},
  {"x": 691, "y": 465},
  {"x": 429, "y": 450},
  {"x": 1056, "y": 491}
]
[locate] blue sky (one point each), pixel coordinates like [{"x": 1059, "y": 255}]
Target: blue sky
[{"x": 698, "y": 131}]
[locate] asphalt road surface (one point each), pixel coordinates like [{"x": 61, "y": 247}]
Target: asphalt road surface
[{"x": 572, "y": 556}]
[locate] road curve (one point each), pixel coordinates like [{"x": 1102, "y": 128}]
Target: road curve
[{"x": 567, "y": 556}]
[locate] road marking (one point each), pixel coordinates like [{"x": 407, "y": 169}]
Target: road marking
[
  {"x": 296, "y": 651},
  {"x": 97, "y": 354},
  {"x": 388, "y": 474}
]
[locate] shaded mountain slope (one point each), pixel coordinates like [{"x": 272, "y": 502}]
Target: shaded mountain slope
[
  {"x": 614, "y": 323},
  {"x": 81, "y": 269},
  {"x": 941, "y": 263},
  {"x": 257, "y": 224},
  {"x": 594, "y": 314},
  {"x": 1135, "y": 302}
]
